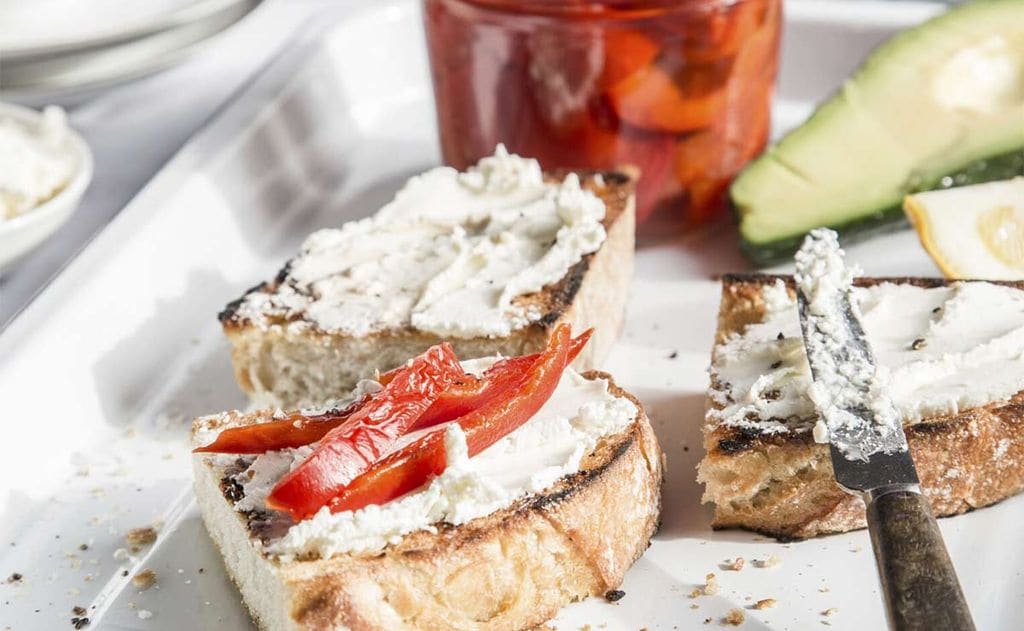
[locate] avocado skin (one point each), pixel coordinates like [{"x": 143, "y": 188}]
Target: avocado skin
[{"x": 1000, "y": 167}]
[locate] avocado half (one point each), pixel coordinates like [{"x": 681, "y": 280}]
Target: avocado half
[{"x": 937, "y": 106}]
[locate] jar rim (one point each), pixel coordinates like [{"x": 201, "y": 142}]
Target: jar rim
[{"x": 594, "y": 8}]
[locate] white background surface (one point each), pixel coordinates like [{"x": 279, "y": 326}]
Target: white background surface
[
  {"x": 134, "y": 129},
  {"x": 100, "y": 375}
]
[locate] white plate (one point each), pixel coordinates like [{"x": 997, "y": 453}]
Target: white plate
[
  {"x": 99, "y": 376},
  {"x": 47, "y": 27},
  {"x": 150, "y": 40},
  {"x": 22, "y": 233}
]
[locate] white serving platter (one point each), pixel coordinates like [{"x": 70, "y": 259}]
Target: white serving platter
[{"x": 100, "y": 375}]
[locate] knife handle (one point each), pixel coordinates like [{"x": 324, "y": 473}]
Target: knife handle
[{"x": 920, "y": 585}]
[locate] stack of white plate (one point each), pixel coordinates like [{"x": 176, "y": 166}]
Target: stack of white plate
[{"x": 59, "y": 50}]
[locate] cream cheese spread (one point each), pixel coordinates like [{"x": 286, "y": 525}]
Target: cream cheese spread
[
  {"x": 531, "y": 459},
  {"x": 940, "y": 350},
  {"x": 858, "y": 416},
  {"x": 36, "y": 161},
  {"x": 449, "y": 255}
]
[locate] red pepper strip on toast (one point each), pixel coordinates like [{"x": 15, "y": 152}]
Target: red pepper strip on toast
[
  {"x": 348, "y": 450},
  {"x": 411, "y": 466},
  {"x": 461, "y": 399},
  {"x": 296, "y": 430}
]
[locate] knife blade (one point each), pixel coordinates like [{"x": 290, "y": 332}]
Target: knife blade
[{"x": 868, "y": 447}]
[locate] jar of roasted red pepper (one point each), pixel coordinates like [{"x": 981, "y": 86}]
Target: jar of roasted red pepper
[{"x": 679, "y": 88}]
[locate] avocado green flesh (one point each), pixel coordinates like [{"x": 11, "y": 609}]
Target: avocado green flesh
[
  {"x": 937, "y": 106},
  {"x": 1002, "y": 167}
]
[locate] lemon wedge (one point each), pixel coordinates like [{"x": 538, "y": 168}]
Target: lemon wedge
[{"x": 973, "y": 231}]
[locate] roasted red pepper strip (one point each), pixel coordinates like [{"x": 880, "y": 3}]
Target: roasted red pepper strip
[
  {"x": 625, "y": 52},
  {"x": 651, "y": 99},
  {"x": 348, "y": 450},
  {"x": 409, "y": 467},
  {"x": 464, "y": 398},
  {"x": 294, "y": 430}
]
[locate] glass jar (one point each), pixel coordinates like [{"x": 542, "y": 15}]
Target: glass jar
[{"x": 679, "y": 88}]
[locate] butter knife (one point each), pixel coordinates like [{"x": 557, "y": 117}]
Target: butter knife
[{"x": 869, "y": 449}]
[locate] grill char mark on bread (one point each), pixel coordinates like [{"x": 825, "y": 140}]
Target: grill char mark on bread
[
  {"x": 782, "y": 484},
  {"x": 280, "y": 367},
  {"x": 509, "y": 570}
]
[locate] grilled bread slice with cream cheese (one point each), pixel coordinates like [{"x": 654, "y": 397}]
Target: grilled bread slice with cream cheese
[
  {"x": 951, "y": 354},
  {"x": 554, "y": 512},
  {"x": 491, "y": 260}
]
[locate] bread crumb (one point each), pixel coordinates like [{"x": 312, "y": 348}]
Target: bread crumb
[
  {"x": 694, "y": 606},
  {"x": 769, "y": 561},
  {"x": 711, "y": 585},
  {"x": 831, "y": 611},
  {"x": 144, "y": 580},
  {"x": 765, "y": 603},
  {"x": 734, "y": 565},
  {"x": 140, "y": 536},
  {"x": 735, "y": 617}
]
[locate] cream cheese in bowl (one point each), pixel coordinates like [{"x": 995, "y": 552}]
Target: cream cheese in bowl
[
  {"x": 36, "y": 161},
  {"x": 44, "y": 169}
]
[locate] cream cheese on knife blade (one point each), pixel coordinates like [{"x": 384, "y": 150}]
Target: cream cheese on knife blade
[{"x": 858, "y": 415}]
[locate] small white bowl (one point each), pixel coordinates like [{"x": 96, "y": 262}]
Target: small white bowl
[{"x": 24, "y": 232}]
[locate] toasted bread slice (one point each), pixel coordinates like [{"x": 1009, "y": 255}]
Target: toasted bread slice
[
  {"x": 511, "y": 569},
  {"x": 277, "y": 364},
  {"x": 782, "y": 484}
]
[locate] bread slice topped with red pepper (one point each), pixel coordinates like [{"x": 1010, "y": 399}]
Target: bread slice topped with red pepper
[
  {"x": 491, "y": 260},
  {"x": 441, "y": 495}
]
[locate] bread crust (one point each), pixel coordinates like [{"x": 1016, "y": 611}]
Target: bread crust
[
  {"x": 277, "y": 365},
  {"x": 509, "y": 570},
  {"x": 783, "y": 484}
]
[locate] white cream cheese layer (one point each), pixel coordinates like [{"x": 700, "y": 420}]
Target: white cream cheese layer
[
  {"x": 845, "y": 377},
  {"x": 940, "y": 350},
  {"x": 529, "y": 460},
  {"x": 36, "y": 161},
  {"x": 448, "y": 255}
]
